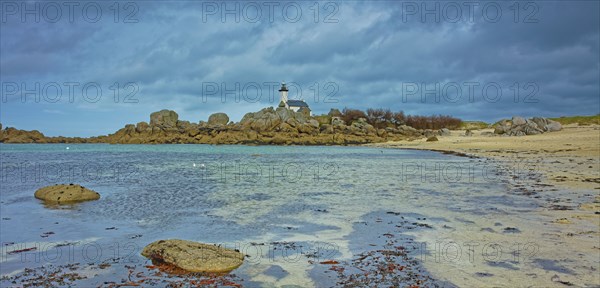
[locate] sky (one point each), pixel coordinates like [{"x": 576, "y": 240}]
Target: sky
[{"x": 88, "y": 68}]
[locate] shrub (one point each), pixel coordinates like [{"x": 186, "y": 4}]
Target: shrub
[
  {"x": 381, "y": 118},
  {"x": 350, "y": 115}
]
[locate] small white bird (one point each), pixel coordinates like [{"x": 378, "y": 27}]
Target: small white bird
[{"x": 67, "y": 148}]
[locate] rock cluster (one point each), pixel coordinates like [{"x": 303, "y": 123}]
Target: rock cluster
[
  {"x": 193, "y": 256},
  {"x": 13, "y": 135},
  {"x": 65, "y": 194},
  {"x": 269, "y": 126},
  {"x": 520, "y": 126}
]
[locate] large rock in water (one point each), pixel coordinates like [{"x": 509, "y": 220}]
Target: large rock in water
[
  {"x": 66, "y": 194},
  {"x": 164, "y": 118},
  {"x": 193, "y": 256},
  {"x": 13, "y": 135},
  {"x": 218, "y": 119}
]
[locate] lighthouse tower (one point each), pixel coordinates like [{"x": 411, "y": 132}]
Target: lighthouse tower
[{"x": 283, "y": 92}]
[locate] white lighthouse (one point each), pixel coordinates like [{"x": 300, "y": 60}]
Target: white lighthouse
[
  {"x": 294, "y": 105},
  {"x": 283, "y": 92}
]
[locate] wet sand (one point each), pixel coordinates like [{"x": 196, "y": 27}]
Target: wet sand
[{"x": 561, "y": 170}]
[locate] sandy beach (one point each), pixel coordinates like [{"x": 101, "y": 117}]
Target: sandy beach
[
  {"x": 567, "y": 167},
  {"x": 569, "y": 158}
]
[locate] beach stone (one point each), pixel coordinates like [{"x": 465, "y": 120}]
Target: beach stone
[
  {"x": 285, "y": 114},
  {"x": 327, "y": 129},
  {"x": 193, "y": 256},
  {"x": 541, "y": 122},
  {"x": 314, "y": 123},
  {"x": 553, "y": 126},
  {"x": 502, "y": 128},
  {"x": 530, "y": 128},
  {"x": 218, "y": 119},
  {"x": 337, "y": 121},
  {"x": 141, "y": 127},
  {"x": 407, "y": 130},
  {"x": 516, "y": 120},
  {"x": 62, "y": 193},
  {"x": 445, "y": 132},
  {"x": 432, "y": 138},
  {"x": 164, "y": 118},
  {"x": 304, "y": 111}
]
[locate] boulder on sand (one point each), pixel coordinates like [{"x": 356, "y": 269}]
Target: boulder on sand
[
  {"x": 553, "y": 126},
  {"x": 521, "y": 126},
  {"x": 66, "y": 194},
  {"x": 193, "y": 256}
]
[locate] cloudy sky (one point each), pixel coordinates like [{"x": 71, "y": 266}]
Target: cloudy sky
[{"x": 89, "y": 68}]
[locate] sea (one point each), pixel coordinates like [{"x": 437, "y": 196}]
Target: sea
[{"x": 304, "y": 216}]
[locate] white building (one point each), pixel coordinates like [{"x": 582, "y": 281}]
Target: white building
[{"x": 294, "y": 105}]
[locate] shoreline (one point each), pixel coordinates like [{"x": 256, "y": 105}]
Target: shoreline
[
  {"x": 467, "y": 213},
  {"x": 578, "y": 145},
  {"x": 558, "y": 170}
]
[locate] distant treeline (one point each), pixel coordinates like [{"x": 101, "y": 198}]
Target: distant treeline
[{"x": 381, "y": 118}]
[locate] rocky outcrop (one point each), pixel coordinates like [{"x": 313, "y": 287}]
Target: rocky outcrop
[
  {"x": 218, "y": 119},
  {"x": 520, "y": 126},
  {"x": 13, "y": 135},
  {"x": 268, "y": 126},
  {"x": 65, "y": 194},
  {"x": 193, "y": 256},
  {"x": 164, "y": 119}
]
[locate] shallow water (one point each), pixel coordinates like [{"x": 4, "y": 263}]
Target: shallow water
[{"x": 321, "y": 198}]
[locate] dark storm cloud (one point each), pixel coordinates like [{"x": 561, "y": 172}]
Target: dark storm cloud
[{"x": 371, "y": 51}]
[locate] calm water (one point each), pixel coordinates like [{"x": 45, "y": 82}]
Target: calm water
[{"x": 236, "y": 195}]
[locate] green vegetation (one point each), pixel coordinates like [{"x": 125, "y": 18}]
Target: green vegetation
[
  {"x": 581, "y": 120},
  {"x": 474, "y": 125}
]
